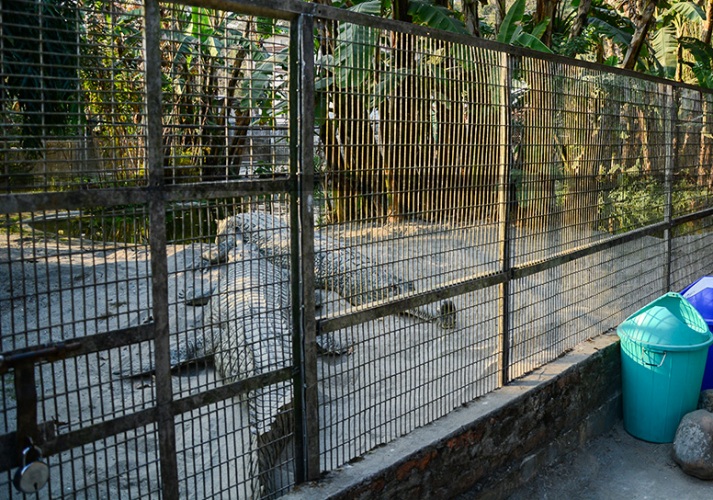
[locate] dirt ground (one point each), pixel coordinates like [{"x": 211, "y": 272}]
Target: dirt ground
[
  {"x": 616, "y": 466},
  {"x": 402, "y": 373}
]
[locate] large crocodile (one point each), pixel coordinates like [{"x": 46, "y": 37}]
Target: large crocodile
[
  {"x": 247, "y": 332},
  {"x": 247, "y": 321},
  {"x": 338, "y": 268}
]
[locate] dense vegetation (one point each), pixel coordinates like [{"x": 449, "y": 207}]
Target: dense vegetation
[
  {"x": 666, "y": 38},
  {"x": 583, "y": 146}
]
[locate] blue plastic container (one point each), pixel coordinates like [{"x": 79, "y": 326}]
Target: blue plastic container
[
  {"x": 700, "y": 295},
  {"x": 664, "y": 347}
]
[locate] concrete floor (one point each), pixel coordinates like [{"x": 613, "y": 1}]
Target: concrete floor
[{"x": 616, "y": 466}]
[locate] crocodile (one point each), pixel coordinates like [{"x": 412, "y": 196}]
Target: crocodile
[
  {"x": 338, "y": 268},
  {"x": 247, "y": 321},
  {"x": 247, "y": 332}
]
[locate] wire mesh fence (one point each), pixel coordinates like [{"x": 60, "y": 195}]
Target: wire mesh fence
[{"x": 248, "y": 244}]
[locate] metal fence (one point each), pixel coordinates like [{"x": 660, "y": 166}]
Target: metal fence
[{"x": 246, "y": 242}]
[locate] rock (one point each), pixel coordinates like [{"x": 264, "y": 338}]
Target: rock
[
  {"x": 693, "y": 444},
  {"x": 705, "y": 402}
]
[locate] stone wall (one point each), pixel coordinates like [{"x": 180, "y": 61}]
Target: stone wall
[{"x": 496, "y": 443}]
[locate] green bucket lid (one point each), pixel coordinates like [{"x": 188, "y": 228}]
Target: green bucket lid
[{"x": 669, "y": 322}]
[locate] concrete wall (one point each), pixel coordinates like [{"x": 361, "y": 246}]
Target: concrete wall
[{"x": 496, "y": 443}]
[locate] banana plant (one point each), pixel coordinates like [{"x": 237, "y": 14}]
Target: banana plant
[
  {"x": 512, "y": 32},
  {"x": 671, "y": 28},
  {"x": 702, "y": 67},
  {"x": 435, "y": 16}
]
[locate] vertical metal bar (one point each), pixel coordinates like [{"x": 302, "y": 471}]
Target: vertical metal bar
[
  {"x": 157, "y": 240},
  {"x": 302, "y": 222},
  {"x": 297, "y": 349},
  {"x": 26, "y": 395},
  {"x": 669, "y": 128},
  {"x": 505, "y": 213}
]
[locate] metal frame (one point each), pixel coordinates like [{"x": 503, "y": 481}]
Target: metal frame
[{"x": 300, "y": 184}]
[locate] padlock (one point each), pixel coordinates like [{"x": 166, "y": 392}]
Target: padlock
[{"x": 34, "y": 473}]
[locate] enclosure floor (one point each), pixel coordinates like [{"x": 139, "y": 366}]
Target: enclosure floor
[
  {"x": 401, "y": 375},
  {"x": 615, "y": 465}
]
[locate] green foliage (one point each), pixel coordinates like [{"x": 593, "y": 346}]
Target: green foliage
[
  {"x": 670, "y": 26},
  {"x": 355, "y": 49},
  {"x": 435, "y": 16},
  {"x": 611, "y": 24},
  {"x": 604, "y": 23},
  {"x": 40, "y": 71},
  {"x": 353, "y": 57},
  {"x": 509, "y": 25},
  {"x": 612, "y": 61},
  {"x": 683, "y": 10},
  {"x": 512, "y": 33},
  {"x": 125, "y": 223},
  {"x": 664, "y": 43},
  {"x": 10, "y": 224},
  {"x": 636, "y": 201},
  {"x": 702, "y": 54}
]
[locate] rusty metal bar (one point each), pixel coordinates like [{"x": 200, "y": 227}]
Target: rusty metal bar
[
  {"x": 669, "y": 166},
  {"x": 505, "y": 212},
  {"x": 682, "y": 219},
  {"x": 277, "y": 185},
  {"x": 384, "y": 308},
  {"x": 53, "y": 443},
  {"x": 70, "y": 200},
  {"x": 12, "y": 445},
  {"x": 577, "y": 253},
  {"x": 309, "y": 325},
  {"x": 26, "y": 394},
  {"x": 34, "y": 354},
  {"x": 228, "y": 391},
  {"x": 97, "y": 432},
  {"x": 157, "y": 236},
  {"x": 73, "y": 200},
  {"x": 298, "y": 392},
  {"x": 73, "y": 348},
  {"x": 303, "y": 218}
]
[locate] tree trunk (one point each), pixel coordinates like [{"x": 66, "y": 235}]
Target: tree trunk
[
  {"x": 400, "y": 11},
  {"x": 405, "y": 125},
  {"x": 395, "y": 118},
  {"x": 353, "y": 161},
  {"x": 704, "y": 155},
  {"x": 708, "y": 23},
  {"x": 471, "y": 18},
  {"x": 581, "y": 20},
  {"x": 535, "y": 155},
  {"x": 645, "y": 19},
  {"x": 546, "y": 10},
  {"x": 587, "y": 155}
]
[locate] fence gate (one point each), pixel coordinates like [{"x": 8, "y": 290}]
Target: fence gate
[{"x": 147, "y": 350}]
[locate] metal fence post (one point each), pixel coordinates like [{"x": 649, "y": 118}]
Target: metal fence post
[
  {"x": 159, "y": 266},
  {"x": 302, "y": 222},
  {"x": 505, "y": 213},
  {"x": 669, "y": 163}
]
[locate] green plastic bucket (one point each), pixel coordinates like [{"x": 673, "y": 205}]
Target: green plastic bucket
[{"x": 664, "y": 347}]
